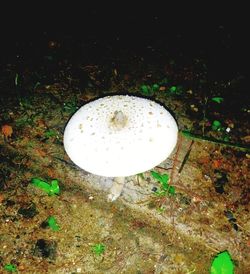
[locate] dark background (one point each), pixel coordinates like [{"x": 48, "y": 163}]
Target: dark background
[{"x": 218, "y": 33}]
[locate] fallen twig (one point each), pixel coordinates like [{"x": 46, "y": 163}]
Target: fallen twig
[
  {"x": 213, "y": 140},
  {"x": 186, "y": 157}
]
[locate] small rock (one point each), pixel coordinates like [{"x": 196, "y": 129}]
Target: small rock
[
  {"x": 45, "y": 249},
  {"x": 28, "y": 211}
]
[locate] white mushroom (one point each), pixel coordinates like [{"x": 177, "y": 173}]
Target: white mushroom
[{"x": 118, "y": 136}]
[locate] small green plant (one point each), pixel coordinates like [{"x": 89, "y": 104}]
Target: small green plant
[
  {"x": 147, "y": 90},
  {"x": 50, "y": 133},
  {"x": 10, "y": 268},
  {"x": 222, "y": 263},
  {"x": 98, "y": 249},
  {"x": 217, "y": 99},
  {"x": 53, "y": 223},
  {"x": 161, "y": 209},
  {"x": 165, "y": 188},
  {"x": 175, "y": 90},
  {"x": 155, "y": 87},
  {"x": 51, "y": 189},
  {"x": 216, "y": 125}
]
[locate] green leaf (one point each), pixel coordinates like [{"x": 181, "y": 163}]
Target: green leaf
[
  {"x": 49, "y": 189},
  {"x": 162, "y": 178},
  {"x": 98, "y": 249},
  {"x": 50, "y": 133},
  {"x": 161, "y": 209},
  {"x": 217, "y": 99},
  {"x": 41, "y": 184},
  {"x": 146, "y": 90},
  {"x": 165, "y": 187},
  {"x": 10, "y": 267},
  {"x": 216, "y": 125},
  {"x": 155, "y": 87},
  {"x": 54, "y": 189},
  {"x": 173, "y": 89},
  {"x": 156, "y": 175},
  {"x": 53, "y": 223},
  {"x": 176, "y": 90},
  {"x": 164, "y": 181},
  {"x": 222, "y": 264},
  {"x": 171, "y": 190}
]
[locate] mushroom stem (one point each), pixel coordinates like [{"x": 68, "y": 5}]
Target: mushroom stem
[{"x": 116, "y": 188}]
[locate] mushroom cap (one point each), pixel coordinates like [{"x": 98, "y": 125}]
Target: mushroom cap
[{"x": 120, "y": 135}]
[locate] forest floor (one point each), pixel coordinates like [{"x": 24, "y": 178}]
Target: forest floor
[{"x": 71, "y": 228}]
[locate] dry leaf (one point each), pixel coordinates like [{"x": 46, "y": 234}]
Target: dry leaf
[
  {"x": 246, "y": 139},
  {"x": 40, "y": 152},
  {"x": 162, "y": 88},
  {"x": 216, "y": 163},
  {"x": 7, "y": 131}
]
